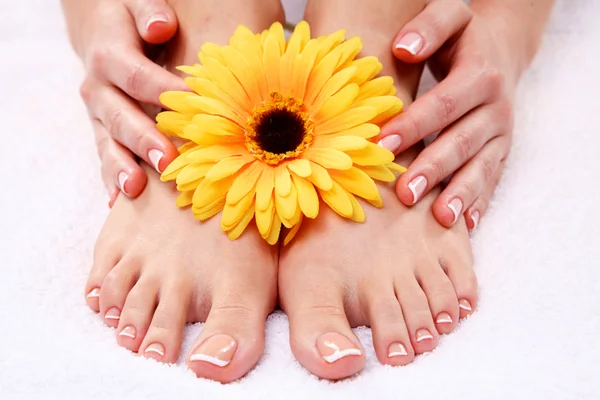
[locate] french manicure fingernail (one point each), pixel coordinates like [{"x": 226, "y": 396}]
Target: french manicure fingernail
[
  {"x": 465, "y": 305},
  {"x": 397, "y": 350},
  {"x": 475, "y": 219},
  {"x": 456, "y": 207},
  {"x": 155, "y": 348},
  {"x": 158, "y": 17},
  {"x": 217, "y": 350},
  {"x": 423, "y": 334},
  {"x": 122, "y": 179},
  {"x": 392, "y": 142},
  {"x": 128, "y": 331},
  {"x": 334, "y": 346},
  {"x": 443, "y": 318},
  {"x": 95, "y": 292},
  {"x": 417, "y": 186},
  {"x": 411, "y": 42},
  {"x": 155, "y": 156},
  {"x": 113, "y": 313}
]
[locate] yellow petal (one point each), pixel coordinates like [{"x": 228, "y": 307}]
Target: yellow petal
[
  {"x": 371, "y": 155},
  {"x": 206, "y": 87},
  {"x": 179, "y": 163},
  {"x": 385, "y": 106},
  {"x": 338, "y": 200},
  {"x": 217, "y": 125},
  {"x": 186, "y": 147},
  {"x": 320, "y": 74},
  {"x": 208, "y": 192},
  {"x": 320, "y": 177},
  {"x": 378, "y": 202},
  {"x": 210, "y": 106},
  {"x": 179, "y": 101},
  {"x": 264, "y": 218},
  {"x": 249, "y": 46},
  {"x": 346, "y": 120},
  {"x": 185, "y": 199},
  {"x": 333, "y": 85},
  {"x": 377, "y": 87},
  {"x": 264, "y": 188},
  {"x": 307, "y": 196},
  {"x": 215, "y": 153},
  {"x": 233, "y": 213},
  {"x": 210, "y": 210},
  {"x": 211, "y": 50},
  {"x": 292, "y": 233},
  {"x": 338, "y": 142},
  {"x": 196, "y": 70},
  {"x": 204, "y": 139},
  {"x": 189, "y": 186},
  {"x": 283, "y": 181},
  {"x": 240, "y": 67},
  {"x": 227, "y": 81},
  {"x": 330, "y": 42},
  {"x": 358, "y": 214},
  {"x": 379, "y": 172},
  {"x": 349, "y": 50},
  {"x": 275, "y": 230},
  {"x": 300, "y": 167},
  {"x": 302, "y": 67},
  {"x": 366, "y": 69},
  {"x": 365, "y": 131},
  {"x": 172, "y": 122},
  {"x": 301, "y": 35},
  {"x": 228, "y": 166},
  {"x": 193, "y": 172},
  {"x": 357, "y": 182},
  {"x": 244, "y": 182},
  {"x": 286, "y": 206},
  {"x": 390, "y": 113},
  {"x": 337, "y": 103},
  {"x": 237, "y": 231},
  {"x": 272, "y": 56},
  {"x": 395, "y": 168},
  {"x": 328, "y": 158}
]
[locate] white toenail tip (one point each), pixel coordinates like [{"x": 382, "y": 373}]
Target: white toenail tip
[
  {"x": 341, "y": 354},
  {"x": 212, "y": 360},
  {"x": 444, "y": 320},
  {"x": 93, "y": 293},
  {"x": 397, "y": 354},
  {"x": 155, "y": 156},
  {"x": 129, "y": 335},
  {"x": 112, "y": 317},
  {"x": 465, "y": 307},
  {"x": 151, "y": 349},
  {"x": 425, "y": 337}
]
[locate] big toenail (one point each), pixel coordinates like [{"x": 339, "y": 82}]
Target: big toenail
[
  {"x": 334, "y": 346},
  {"x": 443, "y": 318},
  {"x": 396, "y": 350},
  {"x": 217, "y": 350},
  {"x": 95, "y": 292},
  {"x": 155, "y": 348},
  {"x": 465, "y": 305},
  {"x": 113, "y": 313},
  {"x": 128, "y": 331},
  {"x": 423, "y": 334}
]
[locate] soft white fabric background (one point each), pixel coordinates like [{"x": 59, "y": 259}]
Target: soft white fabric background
[{"x": 537, "y": 253}]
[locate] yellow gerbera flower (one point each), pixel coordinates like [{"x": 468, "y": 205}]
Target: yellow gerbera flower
[{"x": 272, "y": 126}]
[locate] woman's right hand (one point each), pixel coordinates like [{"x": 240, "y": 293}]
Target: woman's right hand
[{"x": 111, "y": 37}]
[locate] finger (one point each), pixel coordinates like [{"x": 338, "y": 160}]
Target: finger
[
  {"x": 155, "y": 20},
  {"x": 448, "y": 152},
  {"x": 441, "y": 20},
  {"x": 470, "y": 182},
  {"x": 131, "y": 127},
  {"x": 481, "y": 204},
  {"x": 463, "y": 89},
  {"x": 119, "y": 168}
]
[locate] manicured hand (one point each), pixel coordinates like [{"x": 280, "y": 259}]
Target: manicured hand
[
  {"x": 112, "y": 37},
  {"x": 471, "y": 106}
]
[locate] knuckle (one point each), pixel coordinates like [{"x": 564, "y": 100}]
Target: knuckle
[
  {"x": 492, "y": 79},
  {"x": 446, "y": 106},
  {"x": 469, "y": 190},
  {"x": 505, "y": 112},
  {"x": 487, "y": 166},
  {"x": 98, "y": 57},
  {"x": 413, "y": 131},
  {"x": 114, "y": 120},
  {"x": 133, "y": 80},
  {"x": 85, "y": 90},
  {"x": 463, "y": 144},
  {"x": 437, "y": 167},
  {"x": 323, "y": 310}
]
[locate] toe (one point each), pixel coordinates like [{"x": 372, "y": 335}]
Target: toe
[
  {"x": 459, "y": 269},
  {"x": 415, "y": 308},
  {"x": 162, "y": 341},
  {"x": 440, "y": 296},
  {"x": 114, "y": 290},
  {"x": 100, "y": 268},
  {"x": 137, "y": 314}
]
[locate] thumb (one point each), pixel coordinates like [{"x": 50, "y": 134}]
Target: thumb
[
  {"x": 439, "y": 21},
  {"x": 155, "y": 20}
]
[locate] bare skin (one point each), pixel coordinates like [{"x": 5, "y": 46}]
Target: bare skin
[{"x": 401, "y": 273}]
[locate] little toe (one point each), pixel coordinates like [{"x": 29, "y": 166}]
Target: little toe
[
  {"x": 114, "y": 290},
  {"x": 417, "y": 315},
  {"x": 440, "y": 296},
  {"x": 459, "y": 269},
  {"x": 137, "y": 314}
]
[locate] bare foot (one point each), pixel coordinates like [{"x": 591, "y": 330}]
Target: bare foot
[
  {"x": 156, "y": 267},
  {"x": 400, "y": 272}
]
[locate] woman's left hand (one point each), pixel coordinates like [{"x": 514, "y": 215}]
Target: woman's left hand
[{"x": 471, "y": 106}]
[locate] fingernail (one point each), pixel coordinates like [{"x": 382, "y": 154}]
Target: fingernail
[
  {"x": 95, "y": 292},
  {"x": 113, "y": 313},
  {"x": 423, "y": 334},
  {"x": 396, "y": 350},
  {"x": 122, "y": 178},
  {"x": 217, "y": 350},
  {"x": 128, "y": 331},
  {"x": 155, "y": 156},
  {"x": 417, "y": 186},
  {"x": 455, "y": 206},
  {"x": 475, "y": 219},
  {"x": 392, "y": 142},
  {"x": 158, "y": 17},
  {"x": 334, "y": 346},
  {"x": 465, "y": 305},
  {"x": 155, "y": 348},
  {"x": 443, "y": 318},
  {"x": 411, "y": 42}
]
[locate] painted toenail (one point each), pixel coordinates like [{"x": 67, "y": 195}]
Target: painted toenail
[
  {"x": 475, "y": 219},
  {"x": 396, "y": 350},
  {"x": 128, "y": 331},
  {"x": 155, "y": 156},
  {"x": 465, "y": 305},
  {"x": 156, "y": 348},
  {"x": 334, "y": 346},
  {"x": 443, "y": 318},
  {"x": 456, "y": 207},
  {"x": 217, "y": 350},
  {"x": 423, "y": 334},
  {"x": 417, "y": 186},
  {"x": 95, "y": 292},
  {"x": 113, "y": 313},
  {"x": 122, "y": 179}
]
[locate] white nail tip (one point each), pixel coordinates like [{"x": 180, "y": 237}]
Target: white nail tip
[
  {"x": 412, "y": 49},
  {"x": 127, "y": 334},
  {"x": 93, "y": 293},
  {"x": 212, "y": 360},
  {"x": 465, "y": 307},
  {"x": 424, "y": 337},
  {"x": 152, "y": 349},
  {"x": 341, "y": 354},
  {"x": 397, "y": 354},
  {"x": 156, "y": 18},
  {"x": 414, "y": 185},
  {"x": 116, "y": 317},
  {"x": 456, "y": 206},
  {"x": 444, "y": 320},
  {"x": 122, "y": 179},
  {"x": 155, "y": 156}
]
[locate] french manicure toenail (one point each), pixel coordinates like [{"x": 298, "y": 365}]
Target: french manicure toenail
[
  {"x": 217, "y": 350},
  {"x": 122, "y": 179},
  {"x": 455, "y": 205},
  {"x": 156, "y": 348},
  {"x": 465, "y": 305},
  {"x": 411, "y": 42},
  {"x": 95, "y": 292},
  {"x": 334, "y": 346},
  {"x": 423, "y": 334},
  {"x": 128, "y": 331},
  {"x": 417, "y": 186},
  {"x": 155, "y": 156},
  {"x": 158, "y": 17},
  {"x": 475, "y": 219},
  {"x": 113, "y": 313},
  {"x": 397, "y": 350},
  {"x": 392, "y": 143},
  {"x": 443, "y": 318}
]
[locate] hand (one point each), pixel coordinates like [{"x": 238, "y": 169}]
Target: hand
[
  {"x": 471, "y": 106},
  {"x": 110, "y": 36}
]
